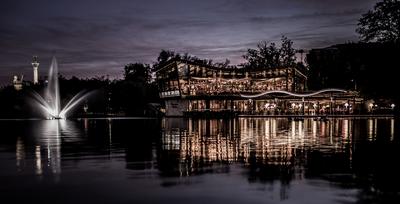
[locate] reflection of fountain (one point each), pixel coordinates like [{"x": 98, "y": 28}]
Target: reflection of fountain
[
  {"x": 48, "y": 147},
  {"x": 50, "y": 105},
  {"x": 45, "y": 157}
]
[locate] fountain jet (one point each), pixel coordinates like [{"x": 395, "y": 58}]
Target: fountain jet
[{"x": 50, "y": 104}]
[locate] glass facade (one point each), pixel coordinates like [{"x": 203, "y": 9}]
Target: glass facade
[{"x": 206, "y": 88}]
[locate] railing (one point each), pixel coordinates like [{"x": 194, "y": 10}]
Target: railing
[{"x": 303, "y": 95}]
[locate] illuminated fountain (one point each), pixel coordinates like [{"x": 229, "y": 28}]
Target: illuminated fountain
[{"x": 50, "y": 105}]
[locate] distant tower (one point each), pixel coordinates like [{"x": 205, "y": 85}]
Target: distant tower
[{"x": 35, "y": 64}]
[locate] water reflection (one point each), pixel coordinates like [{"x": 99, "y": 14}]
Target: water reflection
[
  {"x": 354, "y": 159},
  {"x": 196, "y": 144},
  {"x": 190, "y": 146},
  {"x": 341, "y": 151},
  {"x": 20, "y": 154},
  {"x": 46, "y": 143},
  {"x": 270, "y": 141}
]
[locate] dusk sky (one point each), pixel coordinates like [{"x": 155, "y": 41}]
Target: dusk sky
[{"x": 98, "y": 37}]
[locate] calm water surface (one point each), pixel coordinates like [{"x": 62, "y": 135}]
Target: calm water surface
[{"x": 246, "y": 160}]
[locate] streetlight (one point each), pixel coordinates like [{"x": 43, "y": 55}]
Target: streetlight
[
  {"x": 315, "y": 108},
  {"x": 266, "y": 107},
  {"x": 346, "y": 105},
  {"x": 293, "y": 105}
]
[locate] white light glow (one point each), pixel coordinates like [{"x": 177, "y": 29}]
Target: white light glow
[{"x": 51, "y": 107}]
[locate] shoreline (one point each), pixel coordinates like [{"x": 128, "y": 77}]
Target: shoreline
[
  {"x": 363, "y": 116},
  {"x": 318, "y": 116}
]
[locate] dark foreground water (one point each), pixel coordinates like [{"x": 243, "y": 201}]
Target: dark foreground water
[{"x": 247, "y": 160}]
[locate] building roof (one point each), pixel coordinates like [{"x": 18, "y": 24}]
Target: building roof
[{"x": 238, "y": 69}]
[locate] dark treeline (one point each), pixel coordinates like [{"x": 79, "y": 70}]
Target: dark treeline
[
  {"x": 167, "y": 55},
  {"x": 368, "y": 66},
  {"x": 131, "y": 96},
  {"x": 265, "y": 56}
]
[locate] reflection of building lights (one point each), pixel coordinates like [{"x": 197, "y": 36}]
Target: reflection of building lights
[
  {"x": 293, "y": 129},
  {"x": 392, "y": 129},
  {"x": 253, "y": 138},
  {"x": 38, "y": 161},
  {"x": 86, "y": 124},
  {"x": 301, "y": 132},
  {"x": 331, "y": 128},
  {"x": 273, "y": 128},
  {"x": 370, "y": 129},
  {"x": 314, "y": 129},
  {"x": 323, "y": 130},
  {"x": 345, "y": 129},
  {"x": 19, "y": 153},
  {"x": 267, "y": 129}
]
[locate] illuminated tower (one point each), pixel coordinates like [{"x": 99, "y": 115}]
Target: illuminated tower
[{"x": 35, "y": 64}]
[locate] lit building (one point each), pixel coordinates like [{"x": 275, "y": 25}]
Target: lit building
[
  {"x": 18, "y": 82},
  {"x": 189, "y": 88}
]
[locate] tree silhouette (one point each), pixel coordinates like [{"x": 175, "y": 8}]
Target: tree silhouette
[
  {"x": 381, "y": 24},
  {"x": 163, "y": 57},
  {"x": 287, "y": 53},
  {"x": 137, "y": 72},
  {"x": 268, "y": 56}
]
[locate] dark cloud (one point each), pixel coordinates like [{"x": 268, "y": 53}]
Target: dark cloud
[{"x": 98, "y": 37}]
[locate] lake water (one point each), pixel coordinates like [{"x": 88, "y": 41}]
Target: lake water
[{"x": 174, "y": 160}]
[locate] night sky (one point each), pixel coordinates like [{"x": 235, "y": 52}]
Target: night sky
[{"x": 98, "y": 37}]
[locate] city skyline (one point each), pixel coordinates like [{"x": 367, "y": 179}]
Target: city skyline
[{"x": 95, "y": 38}]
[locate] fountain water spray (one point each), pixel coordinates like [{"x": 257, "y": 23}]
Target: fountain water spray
[{"x": 50, "y": 104}]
